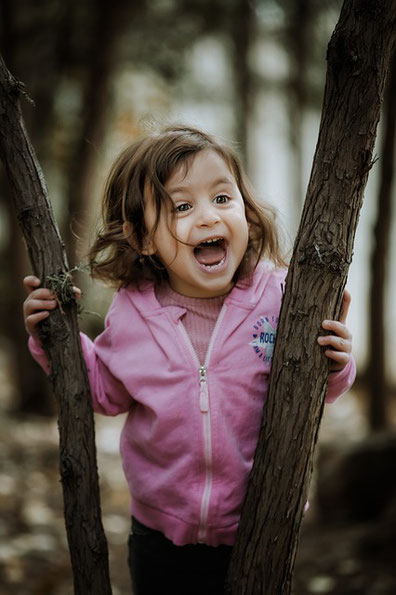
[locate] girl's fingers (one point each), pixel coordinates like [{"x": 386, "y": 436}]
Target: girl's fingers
[
  {"x": 41, "y": 294},
  {"x": 338, "y": 359},
  {"x": 34, "y": 305},
  {"x": 346, "y": 302},
  {"x": 338, "y": 356},
  {"x": 39, "y": 303},
  {"x": 32, "y": 321},
  {"x": 36, "y": 310},
  {"x": 339, "y": 328},
  {"x": 31, "y": 282},
  {"x": 339, "y": 351},
  {"x": 338, "y": 343}
]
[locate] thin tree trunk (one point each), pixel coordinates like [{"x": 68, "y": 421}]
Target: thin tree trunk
[
  {"x": 298, "y": 43},
  {"x": 110, "y": 19},
  {"x": 378, "y": 413},
  {"x": 358, "y": 58},
  {"x": 243, "y": 32},
  {"x": 59, "y": 334}
]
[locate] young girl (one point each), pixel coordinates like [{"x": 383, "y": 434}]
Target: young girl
[{"x": 187, "y": 348}]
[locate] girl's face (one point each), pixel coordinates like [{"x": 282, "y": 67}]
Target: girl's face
[{"x": 209, "y": 223}]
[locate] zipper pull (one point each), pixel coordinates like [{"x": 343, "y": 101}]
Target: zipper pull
[{"x": 203, "y": 390}]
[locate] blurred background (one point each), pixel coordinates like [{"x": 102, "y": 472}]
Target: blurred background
[{"x": 252, "y": 72}]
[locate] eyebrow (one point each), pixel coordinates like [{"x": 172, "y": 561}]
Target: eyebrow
[{"x": 217, "y": 182}]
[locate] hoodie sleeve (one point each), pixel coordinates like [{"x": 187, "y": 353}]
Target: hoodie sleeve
[
  {"x": 340, "y": 382},
  {"x": 109, "y": 395},
  {"x": 38, "y": 354}
]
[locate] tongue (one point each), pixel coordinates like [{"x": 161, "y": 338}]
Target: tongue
[{"x": 209, "y": 255}]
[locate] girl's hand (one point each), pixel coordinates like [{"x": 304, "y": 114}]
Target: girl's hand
[
  {"x": 38, "y": 304},
  {"x": 340, "y": 343}
]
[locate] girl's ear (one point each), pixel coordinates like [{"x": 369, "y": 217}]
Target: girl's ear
[
  {"x": 127, "y": 228},
  {"x": 128, "y": 233}
]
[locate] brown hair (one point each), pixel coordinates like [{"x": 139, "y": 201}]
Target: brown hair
[{"x": 150, "y": 162}]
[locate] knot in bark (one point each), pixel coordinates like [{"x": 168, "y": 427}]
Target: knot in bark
[
  {"x": 293, "y": 363},
  {"x": 15, "y": 88},
  {"x": 68, "y": 468},
  {"x": 322, "y": 256},
  {"x": 30, "y": 212},
  {"x": 343, "y": 55}
]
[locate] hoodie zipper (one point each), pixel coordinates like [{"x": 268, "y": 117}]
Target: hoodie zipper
[{"x": 205, "y": 410}]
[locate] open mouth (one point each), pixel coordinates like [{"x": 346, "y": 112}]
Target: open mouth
[{"x": 211, "y": 253}]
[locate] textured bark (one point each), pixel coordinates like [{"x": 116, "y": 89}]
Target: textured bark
[
  {"x": 358, "y": 59},
  {"x": 87, "y": 542},
  {"x": 378, "y": 405}
]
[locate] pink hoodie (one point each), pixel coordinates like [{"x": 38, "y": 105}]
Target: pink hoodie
[{"x": 188, "y": 442}]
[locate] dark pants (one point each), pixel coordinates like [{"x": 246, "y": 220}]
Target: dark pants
[{"x": 158, "y": 566}]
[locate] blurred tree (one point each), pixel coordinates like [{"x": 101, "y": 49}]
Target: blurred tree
[
  {"x": 243, "y": 32},
  {"x": 378, "y": 389},
  {"x": 97, "y": 71},
  {"x": 175, "y": 27},
  {"x": 300, "y": 17},
  {"x": 305, "y": 38}
]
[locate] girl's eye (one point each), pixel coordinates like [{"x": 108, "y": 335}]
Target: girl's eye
[
  {"x": 221, "y": 199},
  {"x": 182, "y": 207}
]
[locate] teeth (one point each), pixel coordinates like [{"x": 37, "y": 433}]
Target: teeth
[
  {"x": 212, "y": 266},
  {"x": 211, "y": 241}
]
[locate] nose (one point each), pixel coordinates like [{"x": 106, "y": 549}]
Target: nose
[{"x": 208, "y": 216}]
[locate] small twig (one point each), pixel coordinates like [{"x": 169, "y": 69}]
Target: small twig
[{"x": 62, "y": 285}]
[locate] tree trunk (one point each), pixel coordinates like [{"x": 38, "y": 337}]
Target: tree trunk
[
  {"x": 378, "y": 414},
  {"x": 59, "y": 334},
  {"x": 358, "y": 58}
]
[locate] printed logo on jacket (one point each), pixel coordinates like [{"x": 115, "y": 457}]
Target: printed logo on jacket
[{"x": 264, "y": 337}]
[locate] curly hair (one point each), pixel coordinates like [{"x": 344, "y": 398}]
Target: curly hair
[{"x": 149, "y": 163}]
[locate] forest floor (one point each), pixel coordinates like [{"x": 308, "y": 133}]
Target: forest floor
[{"x": 34, "y": 557}]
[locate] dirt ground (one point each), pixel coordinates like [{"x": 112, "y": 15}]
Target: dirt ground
[{"x": 34, "y": 556}]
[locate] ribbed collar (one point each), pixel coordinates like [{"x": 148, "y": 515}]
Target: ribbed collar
[
  {"x": 245, "y": 294},
  {"x": 165, "y": 292}
]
